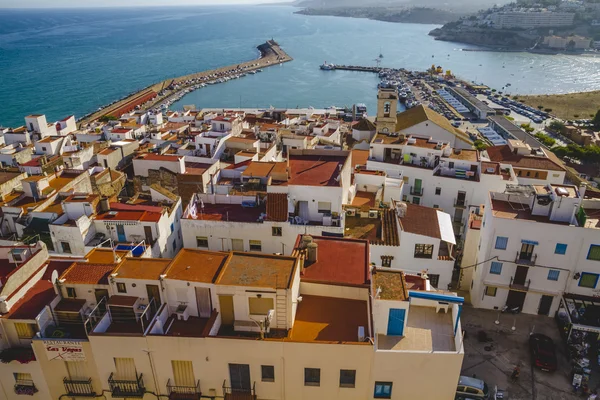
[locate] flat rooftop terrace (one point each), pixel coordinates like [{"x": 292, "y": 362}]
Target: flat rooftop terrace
[
  {"x": 229, "y": 212},
  {"x": 425, "y": 330},
  {"x": 509, "y": 210},
  {"x": 329, "y": 319}
]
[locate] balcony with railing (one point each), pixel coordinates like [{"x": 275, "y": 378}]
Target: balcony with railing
[
  {"x": 522, "y": 285},
  {"x": 79, "y": 387},
  {"x": 231, "y": 393},
  {"x": 525, "y": 258},
  {"x": 25, "y": 387},
  {"x": 126, "y": 315},
  {"x": 180, "y": 392},
  {"x": 444, "y": 170},
  {"x": 126, "y": 388},
  {"x": 460, "y": 202},
  {"x": 416, "y": 191}
]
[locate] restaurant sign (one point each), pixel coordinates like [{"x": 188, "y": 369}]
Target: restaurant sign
[{"x": 69, "y": 350}]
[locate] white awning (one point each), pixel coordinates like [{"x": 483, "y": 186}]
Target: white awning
[{"x": 445, "y": 224}]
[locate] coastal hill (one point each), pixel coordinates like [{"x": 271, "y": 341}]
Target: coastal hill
[
  {"x": 413, "y": 11},
  {"x": 417, "y": 15},
  {"x": 524, "y": 26},
  {"x": 463, "y": 6}
]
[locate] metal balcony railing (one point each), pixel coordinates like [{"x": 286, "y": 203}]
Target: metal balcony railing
[
  {"x": 79, "y": 387},
  {"x": 525, "y": 258},
  {"x": 239, "y": 394},
  {"x": 519, "y": 286},
  {"x": 25, "y": 387},
  {"x": 460, "y": 203},
  {"x": 126, "y": 388},
  {"x": 416, "y": 191},
  {"x": 178, "y": 392}
]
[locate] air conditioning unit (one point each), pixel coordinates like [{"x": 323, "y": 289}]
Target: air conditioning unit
[
  {"x": 373, "y": 214},
  {"x": 351, "y": 212}
]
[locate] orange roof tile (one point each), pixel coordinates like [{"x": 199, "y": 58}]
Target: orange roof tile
[
  {"x": 504, "y": 155},
  {"x": 87, "y": 273},
  {"x": 420, "y": 220},
  {"x": 315, "y": 170}
]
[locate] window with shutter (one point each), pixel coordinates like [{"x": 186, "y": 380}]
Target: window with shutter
[
  {"x": 594, "y": 252},
  {"x": 183, "y": 373}
]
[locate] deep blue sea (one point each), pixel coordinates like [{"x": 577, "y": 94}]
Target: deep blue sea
[{"x": 62, "y": 62}]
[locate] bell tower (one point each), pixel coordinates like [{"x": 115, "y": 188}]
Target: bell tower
[{"x": 387, "y": 107}]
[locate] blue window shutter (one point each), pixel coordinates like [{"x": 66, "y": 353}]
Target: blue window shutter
[
  {"x": 561, "y": 248},
  {"x": 501, "y": 242},
  {"x": 496, "y": 268},
  {"x": 553, "y": 275}
]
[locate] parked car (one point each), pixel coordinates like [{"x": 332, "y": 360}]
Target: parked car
[
  {"x": 543, "y": 352},
  {"x": 471, "y": 388}
]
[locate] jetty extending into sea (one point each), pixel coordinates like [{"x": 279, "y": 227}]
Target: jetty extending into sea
[{"x": 270, "y": 54}]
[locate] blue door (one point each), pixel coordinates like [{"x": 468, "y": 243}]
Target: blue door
[
  {"x": 121, "y": 233},
  {"x": 396, "y": 322}
]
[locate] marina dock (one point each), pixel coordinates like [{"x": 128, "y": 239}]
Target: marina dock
[{"x": 270, "y": 54}]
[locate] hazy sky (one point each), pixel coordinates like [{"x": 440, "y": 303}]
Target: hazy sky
[{"x": 119, "y": 3}]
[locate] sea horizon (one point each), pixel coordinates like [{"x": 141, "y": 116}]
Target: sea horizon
[{"x": 75, "y": 60}]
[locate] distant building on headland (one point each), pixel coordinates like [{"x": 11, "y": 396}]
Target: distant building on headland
[
  {"x": 575, "y": 42},
  {"x": 526, "y": 19}
]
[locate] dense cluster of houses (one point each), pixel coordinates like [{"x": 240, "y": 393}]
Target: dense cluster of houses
[{"x": 281, "y": 254}]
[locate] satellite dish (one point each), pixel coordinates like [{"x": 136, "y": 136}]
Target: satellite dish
[{"x": 54, "y": 276}]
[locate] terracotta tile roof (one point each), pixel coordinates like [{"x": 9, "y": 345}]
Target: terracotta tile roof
[
  {"x": 196, "y": 265},
  {"x": 389, "y": 229},
  {"x": 277, "y": 207},
  {"x": 503, "y": 154},
  {"x": 87, "y": 273},
  {"x": 364, "y": 125},
  {"x": 339, "y": 261},
  {"x": 258, "y": 270},
  {"x": 419, "y": 114},
  {"x": 142, "y": 268},
  {"x": 40, "y": 294},
  {"x": 315, "y": 170},
  {"x": 420, "y": 220}
]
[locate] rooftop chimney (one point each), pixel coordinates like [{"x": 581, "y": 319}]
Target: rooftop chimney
[
  {"x": 306, "y": 240},
  {"x": 582, "y": 188},
  {"x": 311, "y": 252}
]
